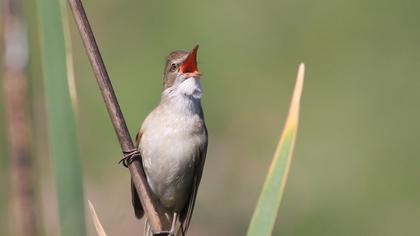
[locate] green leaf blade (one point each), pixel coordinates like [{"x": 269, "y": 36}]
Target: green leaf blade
[
  {"x": 63, "y": 141},
  {"x": 264, "y": 217}
]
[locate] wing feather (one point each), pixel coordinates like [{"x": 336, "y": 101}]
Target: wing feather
[{"x": 186, "y": 215}]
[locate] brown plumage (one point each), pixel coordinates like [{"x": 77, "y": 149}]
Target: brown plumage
[{"x": 173, "y": 142}]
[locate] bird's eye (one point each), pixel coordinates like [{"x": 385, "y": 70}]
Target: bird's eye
[{"x": 173, "y": 67}]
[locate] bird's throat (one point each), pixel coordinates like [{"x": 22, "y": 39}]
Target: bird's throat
[
  {"x": 183, "y": 99},
  {"x": 190, "y": 87}
]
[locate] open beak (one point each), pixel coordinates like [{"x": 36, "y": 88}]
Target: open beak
[{"x": 189, "y": 66}]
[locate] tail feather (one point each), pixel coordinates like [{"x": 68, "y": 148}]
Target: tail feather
[
  {"x": 180, "y": 231},
  {"x": 138, "y": 208}
]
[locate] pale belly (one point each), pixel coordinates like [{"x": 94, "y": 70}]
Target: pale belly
[{"x": 170, "y": 153}]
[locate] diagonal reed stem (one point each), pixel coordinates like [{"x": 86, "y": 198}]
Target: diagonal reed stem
[{"x": 150, "y": 206}]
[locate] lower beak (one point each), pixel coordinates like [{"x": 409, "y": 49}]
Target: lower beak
[{"x": 189, "y": 66}]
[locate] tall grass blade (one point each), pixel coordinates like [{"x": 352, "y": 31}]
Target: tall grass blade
[
  {"x": 98, "y": 226},
  {"x": 64, "y": 147},
  {"x": 265, "y": 214}
]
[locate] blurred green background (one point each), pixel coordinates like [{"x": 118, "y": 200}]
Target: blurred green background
[{"x": 356, "y": 166}]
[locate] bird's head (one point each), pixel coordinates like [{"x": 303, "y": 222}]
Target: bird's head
[{"x": 180, "y": 67}]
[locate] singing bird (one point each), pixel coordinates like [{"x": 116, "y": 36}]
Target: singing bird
[{"x": 173, "y": 143}]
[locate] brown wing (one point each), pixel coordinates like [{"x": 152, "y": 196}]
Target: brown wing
[
  {"x": 186, "y": 215},
  {"x": 135, "y": 200}
]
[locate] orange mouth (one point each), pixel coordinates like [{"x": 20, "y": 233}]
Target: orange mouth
[{"x": 189, "y": 66}]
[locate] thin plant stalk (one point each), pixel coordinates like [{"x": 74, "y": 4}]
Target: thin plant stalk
[
  {"x": 152, "y": 209},
  {"x": 15, "y": 85}
]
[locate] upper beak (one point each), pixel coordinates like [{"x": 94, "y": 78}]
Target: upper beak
[{"x": 190, "y": 63}]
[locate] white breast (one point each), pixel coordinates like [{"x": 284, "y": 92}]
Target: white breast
[{"x": 172, "y": 134}]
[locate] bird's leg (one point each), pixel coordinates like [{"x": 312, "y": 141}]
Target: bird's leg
[
  {"x": 129, "y": 157},
  {"x": 171, "y": 232},
  {"x": 174, "y": 220}
]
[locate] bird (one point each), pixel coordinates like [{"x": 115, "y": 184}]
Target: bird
[{"x": 172, "y": 143}]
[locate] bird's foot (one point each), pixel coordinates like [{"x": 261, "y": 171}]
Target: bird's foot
[
  {"x": 129, "y": 157},
  {"x": 164, "y": 233},
  {"x": 173, "y": 227}
]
